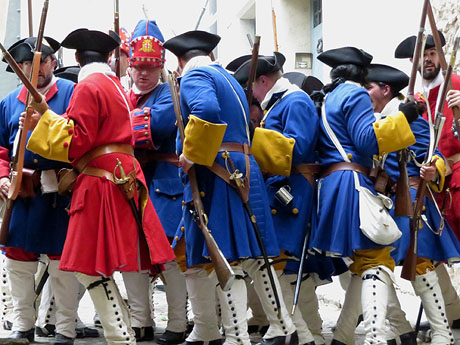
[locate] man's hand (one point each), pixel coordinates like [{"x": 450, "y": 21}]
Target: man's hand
[
  {"x": 428, "y": 172},
  {"x": 4, "y": 187},
  {"x": 185, "y": 163},
  {"x": 453, "y": 98},
  {"x": 32, "y": 120},
  {"x": 40, "y": 107}
]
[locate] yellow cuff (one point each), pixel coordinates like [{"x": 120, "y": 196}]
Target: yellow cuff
[
  {"x": 393, "y": 133},
  {"x": 202, "y": 140},
  {"x": 441, "y": 169},
  {"x": 272, "y": 151},
  {"x": 51, "y": 137}
]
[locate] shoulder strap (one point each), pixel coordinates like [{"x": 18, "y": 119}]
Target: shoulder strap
[{"x": 239, "y": 100}]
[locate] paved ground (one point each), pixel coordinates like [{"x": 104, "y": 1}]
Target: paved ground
[{"x": 330, "y": 297}]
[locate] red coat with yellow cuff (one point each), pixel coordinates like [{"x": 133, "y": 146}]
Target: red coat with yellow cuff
[
  {"x": 449, "y": 147},
  {"x": 103, "y": 236}
]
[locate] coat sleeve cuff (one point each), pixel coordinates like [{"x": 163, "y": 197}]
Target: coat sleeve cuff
[
  {"x": 202, "y": 140},
  {"x": 393, "y": 133},
  {"x": 52, "y": 136},
  {"x": 438, "y": 185},
  {"x": 273, "y": 151}
]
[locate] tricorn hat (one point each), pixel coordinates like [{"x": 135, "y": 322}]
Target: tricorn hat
[
  {"x": 191, "y": 40},
  {"x": 23, "y": 50},
  {"x": 345, "y": 55},
  {"x": 84, "y": 39},
  {"x": 68, "y": 72},
  {"x": 405, "y": 49},
  {"x": 388, "y": 75},
  {"x": 306, "y": 83},
  {"x": 265, "y": 65}
]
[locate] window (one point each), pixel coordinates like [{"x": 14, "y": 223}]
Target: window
[{"x": 317, "y": 12}]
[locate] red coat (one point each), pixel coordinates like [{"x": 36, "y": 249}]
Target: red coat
[
  {"x": 103, "y": 236},
  {"x": 449, "y": 145}
]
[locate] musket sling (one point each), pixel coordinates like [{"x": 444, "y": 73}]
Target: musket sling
[{"x": 221, "y": 172}]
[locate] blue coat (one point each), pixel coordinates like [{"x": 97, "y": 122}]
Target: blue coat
[
  {"x": 350, "y": 115},
  {"x": 294, "y": 116},
  {"x": 435, "y": 247},
  {"x": 206, "y": 93},
  {"x": 39, "y": 224},
  {"x": 165, "y": 185}
]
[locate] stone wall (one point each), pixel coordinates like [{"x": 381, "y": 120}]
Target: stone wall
[{"x": 447, "y": 14}]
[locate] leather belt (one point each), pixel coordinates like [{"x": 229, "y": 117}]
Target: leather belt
[
  {"x": 345, "y": 166},
  {"x": 234, "y": 147},
  {"x": 103, "y": 150},
  {"x": 308, "y": 171},
  {"x": 453, "y": 159}
]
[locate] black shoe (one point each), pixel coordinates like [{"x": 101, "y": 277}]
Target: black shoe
[
  {"x": 424, "y": 326},
  {"x": 97, "y": 321},
  {"x": 29, "y": 335},
  {"x": 336, "y": 342},
  {"x": 7, "y": 325},
  {"x": 169, "y": 337},
  {"x": 61, "y": 339},
  {"x": 360, "y": 319},
  {"x": 256, "y": 328},
  {"x": 310, "y": 343},
  {"x": 87, "y": 332},
  {"x": 143, "y": 333},
  {"x": 408, "y": 338},
  {"x": 212, "y": 342},
  {"x": 48, "y": 331},
  {"x": 392, "y": 342},
  {"x": 455, "y": 324},
  {"x": 290, "y": 339}
]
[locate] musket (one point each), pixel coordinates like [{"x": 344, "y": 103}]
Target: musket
[
  {"x": 31, "y": 24},
  {"x": 253, "y": 69},
  {"x": 444, "y": 66},
  {"x": 224, "y": 272},
  {"x": 275, "y": 32},
  {"x": 416, "y": 223},
  {"x": 18, "y": 157},
  {"x": 410, "y": 260},
  {"x": 403, "y": 199},
  {"x": 116, "y": 26},
  {"x": 236, "y": 177}
]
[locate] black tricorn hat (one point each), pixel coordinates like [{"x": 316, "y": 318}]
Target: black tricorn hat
[
  {"x": 405, "y": 49},
  {"x": 265, "y": 65},
  {"x": 191, "y": 40},
  {"x": 306, "y": 83},
  {"x": 84, "y": 39},
  {"x": 68, "y": 72},
  {"x": 23, "y": 50},
  {"x": 236, "y": 63},
  {"x": 345, "y": 55},
  {"x": 388, "y": 75}
]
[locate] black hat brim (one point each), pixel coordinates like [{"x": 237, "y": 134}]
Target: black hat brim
[
  {"x": 344, "y": 56},
  {"x": 306, "y": 83},
  {"x": 23, "y": 50},
  {"x": 405, "y": 49},
  {"x": 388, "y": 75},
  {"x": 68, "y": 72},
  {"x": 265, "y": 65},
  {"x": 93, "y": 40},
  {"x": 191, "y": 40}
]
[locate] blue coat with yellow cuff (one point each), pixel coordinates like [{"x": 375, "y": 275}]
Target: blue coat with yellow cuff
[
  {"x": 350, "y": 115},
  {"x": 213, "y": 115},
  {"x": 39, "y": 224},
  {"x": 294, "y": 116},
  {"x": 163, "y": 180},
  {"x": 442, "y": 247}
]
